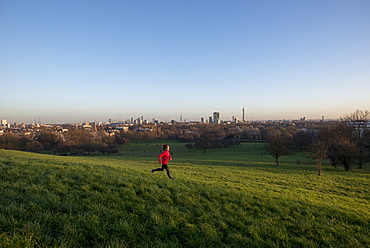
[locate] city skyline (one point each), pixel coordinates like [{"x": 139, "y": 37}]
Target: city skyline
[
  {"x": 71, "y": 61},
  {"x": 242, "y": 117},
  {"x": 214, "y": 117}
]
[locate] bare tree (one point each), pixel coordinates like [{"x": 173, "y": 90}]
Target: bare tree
[
  {"x": 347, "y": 151},
  {"x": 277, "y": 144},
  {"x": 319, "y": 151},
  {"x": 340, "y": 144},
  {"x": 49, "y": 140},
  {"x": 34, "y": 146},
  {"x": 328, "y": 135},
  {"x": 358, "y": 124}
]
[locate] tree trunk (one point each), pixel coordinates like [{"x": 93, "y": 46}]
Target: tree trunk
[
  {"x": 360, "y": 160},
  {"x": 346, "y": 165},
  {"x": 277, "y": 160},
  {"x": 319, "y": 167}
]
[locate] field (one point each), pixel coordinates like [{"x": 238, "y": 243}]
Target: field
[{"x": 234, "y": 197}]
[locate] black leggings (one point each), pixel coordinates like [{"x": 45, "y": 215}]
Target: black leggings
[{"x": 164, "y": 167}]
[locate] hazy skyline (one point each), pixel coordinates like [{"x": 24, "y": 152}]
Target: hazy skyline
[{"x": 71, "y": 61}]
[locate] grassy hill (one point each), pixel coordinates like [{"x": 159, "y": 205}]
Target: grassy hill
[{"x": 224, "y": 198}]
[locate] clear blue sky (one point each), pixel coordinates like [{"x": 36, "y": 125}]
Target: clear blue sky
[{"x": 70, "y": 61}]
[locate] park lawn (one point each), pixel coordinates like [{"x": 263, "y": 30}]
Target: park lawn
[{"x": 230, "y": 197}]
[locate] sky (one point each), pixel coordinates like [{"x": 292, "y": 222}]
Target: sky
[{"x": 71, "y": 61}]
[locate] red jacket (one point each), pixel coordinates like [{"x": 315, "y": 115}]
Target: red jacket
[{"x": 164, "y": 157}]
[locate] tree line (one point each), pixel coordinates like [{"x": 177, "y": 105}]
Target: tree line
[
  {"x": 74, "y": 142},
  {"x": 106, "y": 139},
  {"x": 345, "y": 142}
]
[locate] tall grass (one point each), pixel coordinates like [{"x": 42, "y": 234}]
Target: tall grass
[{"x": 224, "y": 198}]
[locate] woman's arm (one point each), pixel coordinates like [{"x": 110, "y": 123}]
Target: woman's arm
[{"x": 160, "y": 158}]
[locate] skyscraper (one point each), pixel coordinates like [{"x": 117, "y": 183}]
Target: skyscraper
[{"x": 216, "y": 117}]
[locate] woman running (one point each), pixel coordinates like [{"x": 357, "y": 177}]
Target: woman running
[{"x": 163, "y": 159}]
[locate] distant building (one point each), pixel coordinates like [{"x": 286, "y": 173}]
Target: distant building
[
  {"x": 4, "y": 122},
  {"x": 122, "y": 128},
  {"x": 138, "y": 121},
  {"x": 216, "y": 117}
]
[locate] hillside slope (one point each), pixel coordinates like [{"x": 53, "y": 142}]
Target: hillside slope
[{"x": 219, "y": 199}]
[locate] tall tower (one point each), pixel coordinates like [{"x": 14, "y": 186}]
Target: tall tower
[
  {"x": 243, "y": 115},
  {"x": 216, "y": 117}
]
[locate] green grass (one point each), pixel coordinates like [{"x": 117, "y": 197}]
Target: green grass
[{"x": 224, "y": 198}]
